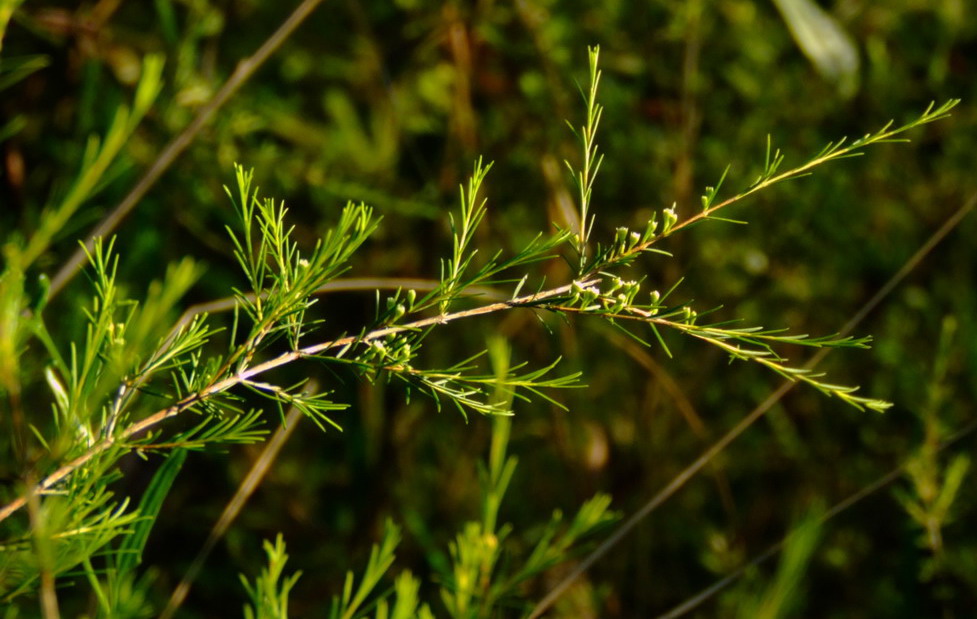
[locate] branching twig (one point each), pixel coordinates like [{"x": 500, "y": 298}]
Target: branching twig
[
  {"x": 690, "y": 471},
  {"x": 832, "y": 152},
  {"x": 592, "y": 275},
  {"x": 283, "y": 359}
]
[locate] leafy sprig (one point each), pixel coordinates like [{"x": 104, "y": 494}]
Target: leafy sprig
[
  {"x": 269, "y": 593},
  {"x": 96, "y": 392},
  {"x": 769, "y": 177},
  {"x": 204, "y": 382},
  {"x": 468, "y": 391},
  {"x": 585, "y": 175},
  {"x": 754, "y": 344},
  {"x": 463, "y": 231}
]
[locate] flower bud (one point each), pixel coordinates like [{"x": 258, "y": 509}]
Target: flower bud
[
  {"x": 651, "y": 227},
  {"x": 620, "y": 234},
  {"x": 669, "y": 218}
]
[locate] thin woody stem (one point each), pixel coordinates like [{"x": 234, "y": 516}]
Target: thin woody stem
[
  {"x": 720, "y": 445},
  {"x": 887, "y": 135},
  {"x": 588, "y": 279},
  {"x": 245, "y": 375}
]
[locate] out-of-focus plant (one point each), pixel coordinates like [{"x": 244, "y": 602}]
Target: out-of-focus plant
[{"x": 935, "y": 486}]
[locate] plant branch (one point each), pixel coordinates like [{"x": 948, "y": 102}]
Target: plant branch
[
  {"x": 832, "y": 152},
  {"x": 690, "y": 471},
  {"x": 339, "y": 285},
  {"x": 281, "y": 360}
]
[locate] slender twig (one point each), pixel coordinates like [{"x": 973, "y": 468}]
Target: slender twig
[
  {"x": 690, "y": 471},
  {"x": 283, "y": 359},
  {"x": 843, "y": 505},
  {"x": 340, "y": 285},
  {"x": 245, "y": 69},
  {"x": 247, "y": 487},
  {"x": 528, "y": 300},
  {"x": 832, "y": 152}
]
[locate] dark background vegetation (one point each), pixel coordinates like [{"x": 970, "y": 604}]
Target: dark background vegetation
[{"x": 389, "y": 103}]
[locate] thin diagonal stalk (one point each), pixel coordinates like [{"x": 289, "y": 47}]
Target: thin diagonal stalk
[
  {"x": 690, "y": 471},
  {"x": 338, "y": 285},
  {"x": 248, "y": 485},
  {"x": 283, "y": 359},
  {"x": 849, "y": 501},
  {"x": 833, "y": 152},
  {"x": 245, "y": 69},
  {"x": 682, "y": 403}
]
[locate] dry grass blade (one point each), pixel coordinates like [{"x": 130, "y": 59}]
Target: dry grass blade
[
  {"x": 245, "y": 69},
  {"x": 843, "y": 505},
  {"x": 248, "y": 485}
]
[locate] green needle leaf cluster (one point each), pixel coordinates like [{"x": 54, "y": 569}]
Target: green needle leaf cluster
[{"x": 111, "y": 392}]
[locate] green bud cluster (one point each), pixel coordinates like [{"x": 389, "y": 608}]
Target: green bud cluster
[
  {"x": 395, "y": 310},
  {"x": 622, "y": 293},
  {"x": 585, "y": 297},
  {"x": 392, "y": 350},
  {"x": 655, "y": 297},
  {"x": 650, "y": 228},
  {"x": 618, "y": 297},
  {"x": 625, "y": 240}
]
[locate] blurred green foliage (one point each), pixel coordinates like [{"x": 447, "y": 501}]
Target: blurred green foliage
[{"x": 390, "y": 103}]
